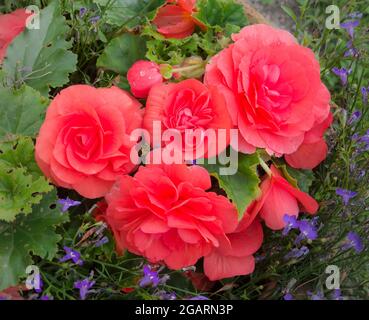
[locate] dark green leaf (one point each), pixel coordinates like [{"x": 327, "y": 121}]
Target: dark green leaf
[
  {"x": 34, "y": 233},
  {"x": 122, "y": 52},
  {"x": 120, "y": 12},
  {"x": 21, "y": 111},
  {"x": 221, "y": 12},
  {"x": 40, "y": 57},
  {"x": 243, "y": 186}
]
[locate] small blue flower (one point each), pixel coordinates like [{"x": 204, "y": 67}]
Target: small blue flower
[
  {"x": 101, "y": 242},
  {"x": 355, "y": 117},
  {"x": 73, "y": 255},
  {"x": 336, "y": 295},
  {"x": 351, "y": 50},
  {"x": 68, "y": 203},
  {"x": 288, "y": 297},
  {"x": 316, "y": 296},
  {"x": 150, "y": 277},
  {"x": 163, "y": 295},
  {"x": 355, "y": 15},
  {"x": 82, "y": 12},
  {"x": 291, "y": 223},
  {"x": 84, "y": 287},
  {"x": 38, "y": 283},
  {"x": 297, "y": 253},
  {"x": 307, "y": 231},
  {"x": 353, "y": 240},
  {"x": 46, "y": 298},
  {"x": 350, "y": 26},
  {"x": 94, "y": 19},
  {"x": 365, "y": 93},
  {"x": 346, "y": 195},
  {"x": 343, "y": 73},
  {"x": 199, "y": 298}
]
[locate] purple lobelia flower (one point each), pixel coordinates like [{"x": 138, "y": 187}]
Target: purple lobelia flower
[
  {"x": 199, "y": 298},
  {"x": 163, "y": 295},
  {"x": 351, "y": 50},
  {"x": 94, "y": 19},
  {"x": 84, "y": 287},
  {"x": 82, "y": 12},
  {"x": 288, "y": 297},
  {"x": 150, "y": 277},
  {"x": 346, "y": 195},
  {"x": 68, "y": 203},
  {"x": 47, "y": 298},
  {"x": 350, "y": 26},
  {"x": 343, "y": 73},
  {"x": 291, "y": 223},
  {"x": 365, "y": 93},
  {"x": 353, "y": 240},
  {"x": 355, "y": 117},
  {"x": 297, "y": 253},
  {"x": 73, "y": 255},
  {"x": 316, "y": 296},
  {"x": 308, "y": 231},
  {"x": 38, "y": 283},
  {"x": 336, "y": 295},
  {"x": 101, "y": 242},
  {"x": 355, "y": 15}
]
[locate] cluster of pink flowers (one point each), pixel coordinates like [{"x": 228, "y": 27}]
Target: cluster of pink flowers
[{"x": 265, "y": 85}]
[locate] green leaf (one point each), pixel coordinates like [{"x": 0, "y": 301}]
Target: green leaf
[
  {"x": 243, "y": 186},
  {"x": 289, "y": 12},
  {"x": 34, "y": 233},
  {"x": 21, "y": 183},
  {"x": 40, "y": 57},
  {"x": 20, "y": 154},
  {"x": 174, "y": 51},
  {"x": 302, "y": 179},
  {"x": 122, "y": 52},
  {"x": 119, "y": 12},
  {"x": 21, "y": 111},
  {"x": 221, "y": 12}
]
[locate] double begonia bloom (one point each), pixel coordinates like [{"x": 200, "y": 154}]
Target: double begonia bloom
[
  {"x": 187, "y": 108},
  {"x": 165, "y": 214},
  {"x": 84, "y": 143},
  {"x": 175, "y": 20},
  {"x": 273, "y": 90},
  {"x": 278, "y": 198},
  {"x": 11, "y": 25}
]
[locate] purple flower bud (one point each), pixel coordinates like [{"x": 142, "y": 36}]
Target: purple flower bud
[{"x": 82, "y": 12}]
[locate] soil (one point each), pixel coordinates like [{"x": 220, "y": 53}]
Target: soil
[{"x": 272, "y": 11}]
